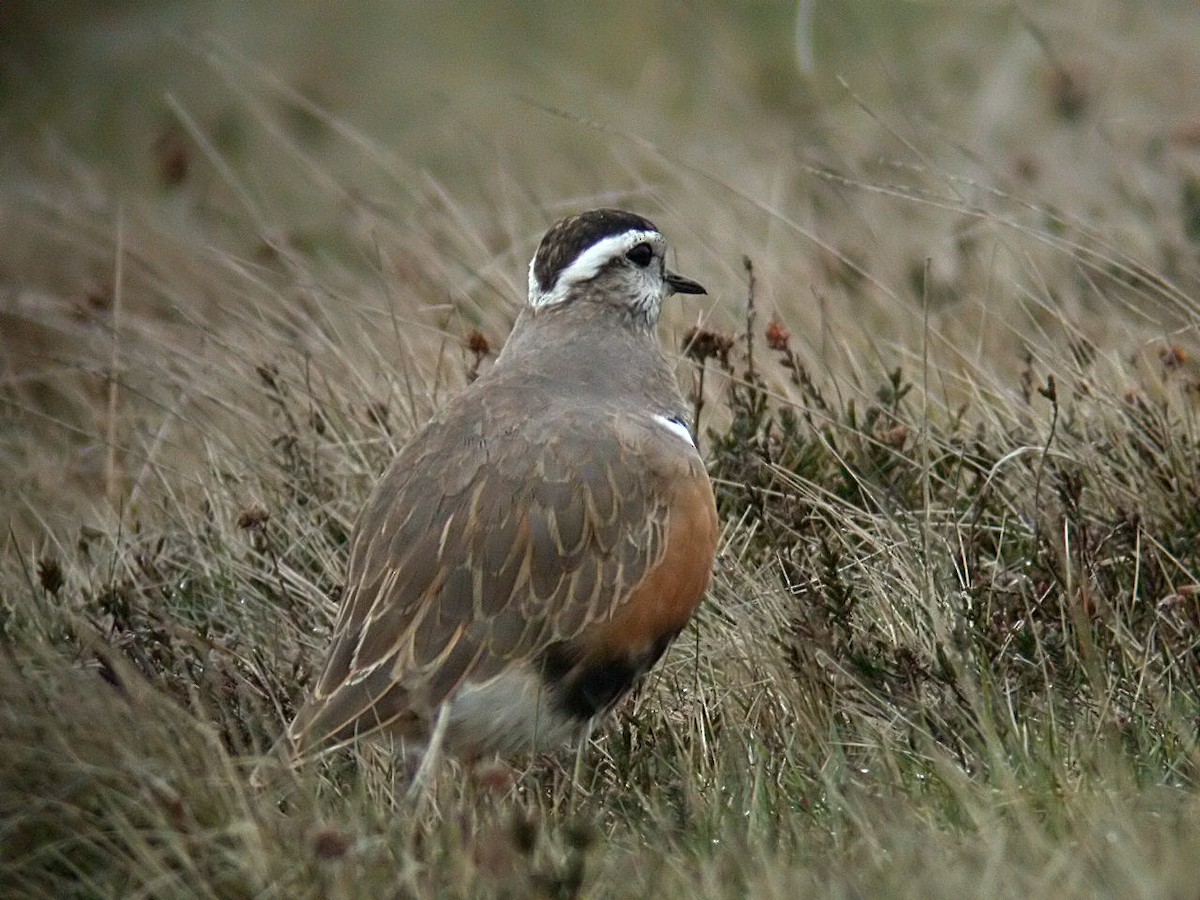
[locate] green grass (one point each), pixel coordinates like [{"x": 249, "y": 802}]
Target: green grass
[{"x": 948, "y": 395}]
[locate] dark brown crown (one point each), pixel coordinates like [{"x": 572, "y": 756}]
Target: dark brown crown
[{"x": 568, "y": 238}]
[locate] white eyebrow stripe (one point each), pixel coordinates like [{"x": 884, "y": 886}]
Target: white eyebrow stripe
[
  {"x": 589, "y": 262},
  {"x": 676, "y": 427}
]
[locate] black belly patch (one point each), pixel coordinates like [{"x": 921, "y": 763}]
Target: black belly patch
[{"x": 585, "y": 690}]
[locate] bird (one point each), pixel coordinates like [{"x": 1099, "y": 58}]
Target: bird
[{"x": 530, "y": 553}]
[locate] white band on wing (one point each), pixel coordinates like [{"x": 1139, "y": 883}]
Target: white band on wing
[{"x": 677, "y": 427}]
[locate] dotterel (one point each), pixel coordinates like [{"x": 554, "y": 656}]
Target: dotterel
[{"x": 531, "y": 552}]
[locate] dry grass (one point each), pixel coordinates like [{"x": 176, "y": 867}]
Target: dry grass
[{"x": 951, "y": 648}]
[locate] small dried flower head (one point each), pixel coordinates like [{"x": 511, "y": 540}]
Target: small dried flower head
[
  {"x": 172, "y": 154},
  {"x": 317, "y": 421},
  {"x": 892, "y": 437},
  {"x": 478, "y": 343},
  {"x": 702, "y": 343},
  {"x": 1070, "y": 90},
  {"x": 1172, "y": 356},
  {"x": 253, "y": 516},
  {"x": 269, "y": 373},
  {"x": 778, "y": 336},
  {"x": 377, "y": 414},
  {"x": 99, "y": 298},
  {"x": 50, "y": 574},
  {"x": 1130, "y": 397},
  {"x": 1027, "y": 166}
]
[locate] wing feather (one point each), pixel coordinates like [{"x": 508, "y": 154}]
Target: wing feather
[{"x": 472, "y": 554}]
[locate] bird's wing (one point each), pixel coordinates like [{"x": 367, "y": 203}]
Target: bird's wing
[{"x": 478, "y": 551}]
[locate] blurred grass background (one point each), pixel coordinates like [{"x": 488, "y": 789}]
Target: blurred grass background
[
  {"x": 1027, "y": 157},
  {"x": 951, "y": 646}
]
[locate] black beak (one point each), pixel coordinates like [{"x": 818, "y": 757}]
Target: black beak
[{"x": 680, "y": 285}]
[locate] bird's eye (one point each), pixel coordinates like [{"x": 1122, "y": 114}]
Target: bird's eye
[{"x": 640, "y": 254}]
